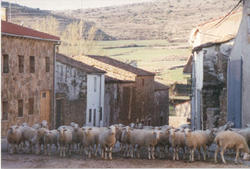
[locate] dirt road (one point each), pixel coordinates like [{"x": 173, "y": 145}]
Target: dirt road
[{"x": 77, "y": 161}]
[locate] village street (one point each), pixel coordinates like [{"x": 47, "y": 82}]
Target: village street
[{"x": 77, "y": 161}]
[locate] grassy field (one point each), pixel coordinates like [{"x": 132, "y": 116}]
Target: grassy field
[{"x": 153, "y": 55}]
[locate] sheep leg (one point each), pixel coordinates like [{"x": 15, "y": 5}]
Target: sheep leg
[
  {"x": 222, "y": 155},
  {"x": 177, "y": 153},
  {"x": 153, "y": 152},
  {"x": 204, "y": 152},
  {"x": 110, "y": 153},
  {"x": 96, "y": 149},
  {"x": 45, "y": 149},
  {"x": 199, "y": 153},
  {"x": 237, "y": 156},
  {"x": 216, "y": 154},
  {"x": 138, "y": 151},
  {"x": 149, "y": 152},
  {"x": 105, "y": 152},
  {"x": 193, "y": 154},
  {"x": 174, "y": 149}
]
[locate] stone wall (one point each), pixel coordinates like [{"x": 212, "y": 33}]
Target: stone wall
[
  {"x": 161, "y": 107},
  {"x": 214, "y": 92},
  {"x": 26, "y": 85},
  {"x": 71, "y": 82},
  {"x": 119, "y": 103}
]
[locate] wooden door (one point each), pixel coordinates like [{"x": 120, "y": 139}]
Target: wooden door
[{"x": 45, "y": 106}]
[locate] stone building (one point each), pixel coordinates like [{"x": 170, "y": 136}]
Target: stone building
[
  {"x": 27, "y": 77},
  {"x": 119, "y": 99},
  {"x": 239, "y": 73},
  {"x": 79, "y": 93},
  {"x": 137, "y": 89},
  {"x": 212, "y": 43}
]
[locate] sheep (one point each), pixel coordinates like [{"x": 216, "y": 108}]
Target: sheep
[
  {"x": 40, "y": 138},
  {"x": 163, "y": 141},
  {"x": 230, "y": 139},
  {"x": 177, "y": 140},
  {"x": 44, "y": 124},
  {"x": 90, "y": 139},
  {"x": 50, "y": 138},
  {"x": 146, "y": 138},
  {"x": 14, "y": 138},
  {"x": 107, "y": 140},
  {"x": 77, "y": 136},
  {"x": 198, "y": 139},
  {"x": 29, "y": 134},
  {"x": 65, "y": 141},
  {"x": 125, "y": 143}
]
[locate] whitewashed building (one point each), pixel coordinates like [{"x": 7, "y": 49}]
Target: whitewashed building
[
  {"x": 211, "y": 44},
  {"x": 239, "y": 73},
  {"x": 79, "y": 90}
]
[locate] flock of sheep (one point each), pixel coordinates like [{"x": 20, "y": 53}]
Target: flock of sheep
[{"x": 157, "y": 140}]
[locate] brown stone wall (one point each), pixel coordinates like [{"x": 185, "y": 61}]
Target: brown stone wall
[
  {"x": 26, "y": 85},
  {"x": 119, "y": 105},
  {"x": 145, "y": 100},
  {"x": 162, "y": 107}
]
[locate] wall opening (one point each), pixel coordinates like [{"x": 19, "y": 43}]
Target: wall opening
[
  {"x": 31, "y": 106},
  {"x": 32, "y": 64},
  {"x": 47, "y": 64},
  {"x": 20, "y": 108},
  {"x": 21, "y": 64},
  {"x": 90, "y": 115},
  {"x": 5, "y": 110},
  {"x": 5, "y": 63}
]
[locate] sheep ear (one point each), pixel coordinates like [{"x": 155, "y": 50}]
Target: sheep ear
[
  {"x": 89, "y": 128},
  {"x": 177, "y": 130}
]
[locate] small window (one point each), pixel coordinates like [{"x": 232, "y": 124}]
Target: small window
[
  {"x": 95, "y": 85},
  {"x": 100, "y": 113},
  {"x": 20, "y": 108},
  {"x": 90, "y": 115},
  {"x": 149, "y": 122},
  {"x": 44, "y": 94},
  {"x": 47, "y": 64},
  {"x": 161, "y": 120},
  {"x": 5, "y": 110},
  {"x": 32, "y": 64},
  {"x": 142, "y": 82},
  {"x": 31, "y": 105},
  {"x": 21, "y": 63},
  {"x": 5, "y": 63}
]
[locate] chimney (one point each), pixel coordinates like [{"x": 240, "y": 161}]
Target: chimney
[{"x": 4, "y": 14}]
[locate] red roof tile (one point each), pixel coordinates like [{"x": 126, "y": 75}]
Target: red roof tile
[{"x": 14, "y": 29}]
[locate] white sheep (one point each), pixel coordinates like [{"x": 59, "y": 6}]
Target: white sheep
[
  {"x": 65, "y": 141},
  {"x": 230, "y": 139},
  {"x": 14, "y": 138},
  {"x": 177, "y": 141},
  {"x": 140, "y": 137},
  {"x": 50, "y": 138},
  {"x": 198, "y": 139},
  {"x": 29, "y": 134},
  {"x": 107, "y": 140}
]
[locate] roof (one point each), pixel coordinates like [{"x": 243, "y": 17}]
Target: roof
[
  {"x": 119, "y": 64},
  {"x": 160, "y": 86},
  {"x": 17, "y": 30},
  {"x": 217, "y": 30},
  {"x": 188, "y": 67},
  {"x": 70, "y": 61},
  {"x": 109, "y": 79}
]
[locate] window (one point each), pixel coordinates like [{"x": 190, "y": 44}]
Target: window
[
  {"x": 32, "y": 64},
  {"x": 100, "y": 113},
  {"x": 5, "y": 63},
  {"x": 47, "y": 65},
  {"x": 90, "y": 115},
  {"x": 95, "y": 84},
  {"x": 21, "y": 64},
  {"x": 4, "y": 110},
  {"x": 31, "y": 105},
  {"x": 20, "y": 108},
  {"x": 44, "y": 94}
]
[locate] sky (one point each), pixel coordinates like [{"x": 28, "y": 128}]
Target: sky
[{"x": 72, "y": 4}]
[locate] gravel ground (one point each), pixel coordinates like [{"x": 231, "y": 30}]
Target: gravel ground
[{"x": 77, "y": 161}]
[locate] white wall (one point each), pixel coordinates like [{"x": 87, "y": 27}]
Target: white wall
[
  {"x": 240, "y": 50},
  {"x": 95, "y": 100}
]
